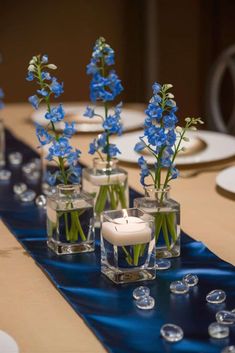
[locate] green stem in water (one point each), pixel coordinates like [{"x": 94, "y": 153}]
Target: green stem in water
[
  {"x": 137, "y": 250},
  {"x": 120, "y": 190},
  {"x": 128, "y": 256},
  {"x": 79, "y": 227},
  {"x": 101, "y": 199},
  {"x": 170, "y": 220},
  {"x": 158, "y": 225},
  {"x": 112, "y": 197},
  {"x": 165, "y": 233}
]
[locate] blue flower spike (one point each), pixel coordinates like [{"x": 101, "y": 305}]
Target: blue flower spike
[
  {"x": 105, "y": 86},
  {"x": 60, "y": 150},
  {"x": 162, "y": 137}
]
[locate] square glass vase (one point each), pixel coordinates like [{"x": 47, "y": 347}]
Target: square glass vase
[
  {"x": 127, "y": 246},
  {"x": 166, "y": 214},
  {"x": 108, "y": 184},
  {"x": 70, "y": 221}
]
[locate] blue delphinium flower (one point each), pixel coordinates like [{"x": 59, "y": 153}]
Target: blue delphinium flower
[
  {"x": 105, "y": 86},
  {"x": 46, "y": 76},
  {"x": 160, "y": 135},
  {"x": 73, "y": 156},
  {"x": 56, "y": 87},
  {"x": 69, "y": 129},
  {"x": 59, "y": 146},
  {"x": 90, "y": 112},
  {"x": 139, "y": 146},
  {"x": 51, "y": 177},
  {"x": 34, "y": 100},
  {"x": 113, "y": 125},
  {"x": 159, "y": 131},
  {"x": 30, "y": 76},
  {"x": 113, "y": 150},
  {"x": 43, "y": 92},
  {"x": 56, "y": 114},
  {"x": 74, "y": 174},
  {"x": 45, "y": 59},
  {"x": 144, "y": 169},
  {"x": 93, "y": 147},
  {"x": 43, "y": 135}
]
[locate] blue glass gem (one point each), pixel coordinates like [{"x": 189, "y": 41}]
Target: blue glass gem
[
  {"x": 218, "y": 331},
  {"x": 225, "y": 317},
  {"x": 145, "y": 303},
  {"x": 190, "y": 279},
  {"x": 34, "y": 175},
  {"x": 41, "y": 201},
  {"x": 162, "y": 264},
  {"x": 172, "y": 333},
  {"x": 5, "y": 174},
  {"x": 27, "y": 196},
  {"x": 179, "y": 287},
  {"x": 19, "y": 188},
  {"x": 216, "y": 296},
  {"x": 141, "y": 292},
  {"x": 15, "y": 158}
]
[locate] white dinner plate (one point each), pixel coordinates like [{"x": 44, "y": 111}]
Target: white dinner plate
[
  {"x": 217, "y": 147},
  {"x": 226, "y": 179},
  {"x": 7, "y": 343},
  {"x": 132, "y": 117}
]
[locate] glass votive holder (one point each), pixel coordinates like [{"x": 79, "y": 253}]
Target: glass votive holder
[{"x": 127, "y": 246}]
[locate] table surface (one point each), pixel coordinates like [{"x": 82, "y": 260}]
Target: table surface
[{"x": 34, "y": 312}]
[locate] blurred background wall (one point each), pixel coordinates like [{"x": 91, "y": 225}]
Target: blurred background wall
[{"x": 165, "y": 40}]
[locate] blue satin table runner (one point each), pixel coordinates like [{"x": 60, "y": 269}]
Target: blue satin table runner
[{"x": 108, "y": 309}]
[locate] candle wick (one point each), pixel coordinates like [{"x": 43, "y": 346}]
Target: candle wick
[{"x": 116, "y": 229}]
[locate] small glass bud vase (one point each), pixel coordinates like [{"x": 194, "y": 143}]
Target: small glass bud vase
[
  {"x": 127, "y": 246},
  {"x": 108, "y": 185},
  {"x": 166, "y": 213},
  {"x": 70, "y": 221}
]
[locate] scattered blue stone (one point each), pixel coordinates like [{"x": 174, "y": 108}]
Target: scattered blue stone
[
  {"x": 225, "y": 317},
  {"x": 191, "y": 280},
  {"x": 145, "y": 303},
  {"x": 162, "y": 264},
  {"x": 141, "y": 292},
  {"x": 179, "y": 287},
  {"x": 218, "y": 331},
  {"x": 172, "y": 333},
  {"x": 19, "y": 188},
  {"x": 216, "y": 296}
]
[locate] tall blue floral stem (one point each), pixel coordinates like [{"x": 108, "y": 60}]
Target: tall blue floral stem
[
  {"x": 105, "y": 86},
  {"x": 163, "y": 139},
  {"x": 60, "y": 150}
]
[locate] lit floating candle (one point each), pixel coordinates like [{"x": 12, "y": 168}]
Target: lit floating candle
[
  {"x": 128, "y": 246},
  {"x": 126, "y": 231}
]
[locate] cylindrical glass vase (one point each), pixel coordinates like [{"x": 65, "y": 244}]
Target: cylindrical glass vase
[
  {"x": 70, "y": 221},
  {"x": 108, "y": 184},
  {"x": 166, "y": 213}
]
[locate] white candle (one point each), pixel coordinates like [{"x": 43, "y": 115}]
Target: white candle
[{"x": 126, "y": 231}]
